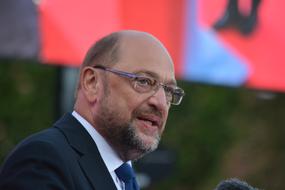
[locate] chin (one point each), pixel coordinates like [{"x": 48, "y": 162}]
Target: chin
[
  {"x": 150, "y": 143},
  {"x": 138, "y": 142}
]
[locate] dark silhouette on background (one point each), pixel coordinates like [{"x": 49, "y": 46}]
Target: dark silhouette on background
[
  {"x": 233, "y": 18},
  {"x": 234, "y": 184}
]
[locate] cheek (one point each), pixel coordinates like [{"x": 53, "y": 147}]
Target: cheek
[
  {"x": 129, "y": 100},
  {"x": 123, "y": 104},
  {"x": 124, "y": 99}
]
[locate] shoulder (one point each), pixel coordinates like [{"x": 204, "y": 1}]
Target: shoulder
[
  {"x": 35, "y": 161},
  {"x": 49, "y": 138},
  {"x": 40, "y": 146}
]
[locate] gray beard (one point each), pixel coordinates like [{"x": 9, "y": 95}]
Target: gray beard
[{"x": 122, "y": 135}]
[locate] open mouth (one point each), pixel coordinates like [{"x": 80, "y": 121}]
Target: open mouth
[{"x": 150, "y": 120}]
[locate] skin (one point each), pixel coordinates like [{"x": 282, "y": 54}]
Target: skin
[{"x": 131, "y": 122}]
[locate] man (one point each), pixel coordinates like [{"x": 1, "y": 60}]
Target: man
[{"x": 125, "y": 89}]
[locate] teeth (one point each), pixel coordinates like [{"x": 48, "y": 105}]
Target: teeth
[{"x": 149, "y": 122}]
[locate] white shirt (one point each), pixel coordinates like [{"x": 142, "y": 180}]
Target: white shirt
[{"x": 109, "y": 156}]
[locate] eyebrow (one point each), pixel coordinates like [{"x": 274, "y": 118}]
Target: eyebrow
[{"x": 154, "y": 75}]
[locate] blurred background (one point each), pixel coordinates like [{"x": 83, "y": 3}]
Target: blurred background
[{"x": 228, "y": 58}]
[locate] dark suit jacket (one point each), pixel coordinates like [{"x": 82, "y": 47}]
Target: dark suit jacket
[{"x": 61, "y": 157}]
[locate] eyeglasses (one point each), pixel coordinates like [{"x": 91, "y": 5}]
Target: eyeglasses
[{"x": 144, "y": 84}]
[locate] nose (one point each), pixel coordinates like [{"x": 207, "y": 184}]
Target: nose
[{"x": 158, "y": 99}]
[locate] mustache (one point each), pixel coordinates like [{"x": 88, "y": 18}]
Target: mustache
[{"x": 148, "y": 111}]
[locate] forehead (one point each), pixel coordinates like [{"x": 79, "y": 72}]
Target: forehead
[{"x": 143, "y": 53}]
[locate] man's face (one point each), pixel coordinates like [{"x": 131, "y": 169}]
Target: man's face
[{"x": 133, "y": 122}]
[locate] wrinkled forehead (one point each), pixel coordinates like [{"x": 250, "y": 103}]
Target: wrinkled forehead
[{"x": 144, "y": 53}]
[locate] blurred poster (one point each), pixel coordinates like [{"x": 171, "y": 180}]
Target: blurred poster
[
  {"x": 224, "y": 42},
  {"x": 236, "y": 42}
]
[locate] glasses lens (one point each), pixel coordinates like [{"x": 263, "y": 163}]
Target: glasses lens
[
  {"x": 144, "y": 84},
  {"x": 168, "y": 92},
  {"x": 177, "y": 96}
]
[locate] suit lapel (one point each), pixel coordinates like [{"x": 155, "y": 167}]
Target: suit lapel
[
  {"x": 89, "y": 157},
  {"x": 97, "y": 174}
]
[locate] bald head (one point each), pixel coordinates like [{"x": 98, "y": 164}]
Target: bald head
[
  {"x": 105, "y": 52},
  {"x": 138, "y": 38},
  {"x": 142, "y": 45}
]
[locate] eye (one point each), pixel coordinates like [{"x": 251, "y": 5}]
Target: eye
[
  {"x": 145, "y": 81},
  {"x": 169, "y": 89}
]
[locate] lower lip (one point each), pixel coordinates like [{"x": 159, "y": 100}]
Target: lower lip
[{"x": 147, "y": 127}]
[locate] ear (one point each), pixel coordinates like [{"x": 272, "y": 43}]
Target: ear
[{"x": 89, "y": 84}]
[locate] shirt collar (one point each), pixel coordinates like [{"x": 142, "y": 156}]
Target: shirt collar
[{"x": 109, "y": 156}]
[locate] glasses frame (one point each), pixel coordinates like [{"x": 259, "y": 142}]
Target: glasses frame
[{"x": 176, "y": 90}]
